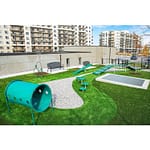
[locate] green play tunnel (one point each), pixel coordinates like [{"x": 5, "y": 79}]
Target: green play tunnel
[{"x": 38, "y": 97}]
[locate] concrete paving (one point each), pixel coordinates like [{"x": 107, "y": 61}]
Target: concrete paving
[
  {"x": 63, "y": 95},
  {"x": 33, "y": 71}
]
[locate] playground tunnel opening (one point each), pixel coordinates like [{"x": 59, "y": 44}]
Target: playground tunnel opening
[{"x": 39, "y": 98}]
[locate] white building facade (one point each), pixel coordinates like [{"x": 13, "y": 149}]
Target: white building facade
[
  {"x": 121, "y": 40},
  {"x": 5, "y": 39},
  {"x": 43, "y": 38}
]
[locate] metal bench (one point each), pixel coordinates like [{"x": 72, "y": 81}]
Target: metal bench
[
  {"x": 54, "y": 65},
  {"x": 86, "y": 62}
]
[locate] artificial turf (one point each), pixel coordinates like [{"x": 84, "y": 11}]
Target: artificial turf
[
  {"x": 133, "y": 105},
  {"x": 103, "y": 103}
]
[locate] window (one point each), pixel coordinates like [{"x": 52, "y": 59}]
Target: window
[
  {"x": 6, "y": 37},
  {"x": 27, "y": 38},
  {"x": 28, "y": 42},
  {"x": 67, "y": 62},
  {"x": 27, "y": 33},
  {"x": 79, "y": 60},
  {"x": 7, "y": 42},
  {"x": 7, "y": 47},
  {"x": 6, "y": 32}
]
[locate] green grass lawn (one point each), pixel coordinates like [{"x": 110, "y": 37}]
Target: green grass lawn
[
  {"x": 133, "y": 105},
  {"x": 103, "y": 103},
  {"x": 22, "y": 115}
]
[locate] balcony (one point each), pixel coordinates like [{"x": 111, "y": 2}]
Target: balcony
[
  {"x": 70, "y": 38},
  {"x": 18, "y": 44},
  {"x": 36, "y": 36},
  {"x": 19, "y": 50},
  {"x": 16, "y": 28},
  {"x": 82, "y": 31},
  {"x": 62, "y": 32},
  {"x": 65, "y": 28},
  {"x": 82, "y": 42},
  {"x": 35, "y": 30},
  {"x": 18, "y": 40},
  {"x": 47, "y": 32},
  {"x": 82, "y": 38},
  {"x": 20, "y": 34}
]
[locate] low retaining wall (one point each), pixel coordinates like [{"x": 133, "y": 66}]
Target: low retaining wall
[{"x": 10, "y": 64}]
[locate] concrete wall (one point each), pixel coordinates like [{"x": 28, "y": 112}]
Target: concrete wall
[
  {"x": 97, "y": 52},
  {"x": 21, "y": 63}
]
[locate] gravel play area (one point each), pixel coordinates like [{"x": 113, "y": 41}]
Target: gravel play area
[{"x": 63, "y": 94}]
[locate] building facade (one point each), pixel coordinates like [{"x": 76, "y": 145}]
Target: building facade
[
  {"x": 43, "y": 38},
  {"x": 123, "y": 41},
  {"x": 72, "y": 57}
]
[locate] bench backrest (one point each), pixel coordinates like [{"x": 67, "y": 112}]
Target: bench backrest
[
  {"x": 53, "y": 65},
  {"x": 86, "y": 62}
]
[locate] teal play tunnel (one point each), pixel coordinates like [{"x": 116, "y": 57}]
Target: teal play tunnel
[{"x": 35, "y": 96}]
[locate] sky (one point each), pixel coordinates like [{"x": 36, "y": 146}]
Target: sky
[{"x": 138, "y": 29}]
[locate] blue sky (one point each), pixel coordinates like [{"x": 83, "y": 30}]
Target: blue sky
[{"x": 138, "y": 29}]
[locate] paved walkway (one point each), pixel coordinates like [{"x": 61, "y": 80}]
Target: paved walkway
[
  {"x": 33, "y": 71},
  {"x": 63, "y": 94}
]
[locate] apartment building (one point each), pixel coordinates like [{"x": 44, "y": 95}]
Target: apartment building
[
  {"x": 121, "y": 40},
  {"x": 5, "y": 39},
  {"x": 43, "y": 38}
]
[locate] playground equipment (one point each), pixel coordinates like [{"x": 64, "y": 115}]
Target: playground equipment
[
  {"x": 38, "y": 67},
  {"x": 36, "y": 97},
  {"x": 82, "y": 69},
  {"x": 80, "y": 79},
  {"x": 82, "y": 89},
  {"x": 102, "y": 70},
  {"x": 133, "y": 68},
  {"x": 84, "y": 86},
  {"x": 83, "y": 83}
]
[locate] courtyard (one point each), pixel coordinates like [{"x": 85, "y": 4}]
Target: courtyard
[{"x": 101, "y": 104}]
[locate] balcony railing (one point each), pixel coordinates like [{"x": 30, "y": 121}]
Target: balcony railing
[{"x": 16, "y": 29}]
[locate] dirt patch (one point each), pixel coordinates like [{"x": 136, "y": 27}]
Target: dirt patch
[{"x": 41, "y": 74}]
